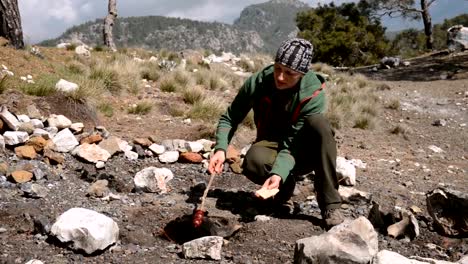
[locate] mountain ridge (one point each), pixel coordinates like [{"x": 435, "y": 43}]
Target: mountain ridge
[{"x": 259, "y": 28}]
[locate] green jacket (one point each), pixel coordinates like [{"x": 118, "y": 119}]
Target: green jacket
[{"x": 255, "y": 94}]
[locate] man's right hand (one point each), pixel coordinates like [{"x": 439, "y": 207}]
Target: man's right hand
[{"x": 217, "y": 162}]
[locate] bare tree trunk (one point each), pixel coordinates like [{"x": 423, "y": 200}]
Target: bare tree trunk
[
  {"x": 427, "y": 20},
  {"x": 10, "y": 23},
  {"x": 108, "y": 25}
]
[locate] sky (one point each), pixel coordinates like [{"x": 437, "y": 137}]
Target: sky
[{"x": 45, "y": 19}]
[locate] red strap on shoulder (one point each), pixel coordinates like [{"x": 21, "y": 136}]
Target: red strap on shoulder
[{"x": 304, "y": 101}]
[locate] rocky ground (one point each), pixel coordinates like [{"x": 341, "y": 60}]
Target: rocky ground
[{"x": 400, "y": 170}]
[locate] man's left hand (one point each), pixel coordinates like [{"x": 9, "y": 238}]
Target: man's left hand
[{"x": 272, "y": 183}]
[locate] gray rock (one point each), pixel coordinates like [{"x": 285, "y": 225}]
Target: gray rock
[
  {"x": 59, "y": 121},
  {"x": 10, "y": 120},
  {"x": 205, "y": 248},
  {"x": 34, "y": 190},
  {"x": 15, "y": 137},
  {"x": 351, "y": 242}
]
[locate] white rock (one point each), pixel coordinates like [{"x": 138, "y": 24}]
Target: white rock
[
  {"x": 86, "y": 229},
  {"x": 34, "y": 261},
  {"x": 153, "y": 179},
  {"x": 131, "y": 155},
  {"x": 205, "y": 247},
  {"x": 349, "y": 193},
  {"x": 91, "y": 152},
  {"x": 194, "y": 146},
  {"x": 10, "y": 120},
  {"x": 66, "y": 86},
  {"x": 262, "y": 218},
  {"x": 23, "y": 118},
  {"x": 157, "y": 149},
  {"x": 2, "y": 142},
  {"x": 15, "y": 137},
  {"x": 207, "y": 144},
  {"x": 23, "y": 78},
  {"x": 351, "y": 242},
  {"x": 77, "y": 127},
  {"x": 435, "y": 149},
  {"x": 153, "y": 59},
  {"x": 345, "y": 171},
  {"x": 29, "y": 77},
  {"x": 83, "y": 50},
  {"x": 37, "y": 123},
  {"x": 63, "y": 45},
  {"x": 4, "y": 67},
  {"x": 390, "y": 257},
  {"x": 41, "y": 133},
  {"x": 65, "y": 141},
  {"x": 358, "y": 163},
  {"x": 169, "y": 157},
  {"x": 100, "y": 165},
  {"x": 124, "y": 146},
  {"x": 59, "y": 121},
  {"x": 52, "y": 131}
]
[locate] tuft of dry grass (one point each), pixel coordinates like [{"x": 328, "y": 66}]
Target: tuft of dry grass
[
  {"x": 106, "y": 109},
  {"x": 393, "y": 104},
  {"x": 44, "y": 85},
  {"x": 168, "y": 85},
  {"x": 141, "y": 108},
  {"x": 208, "y": 109},
  {"x": 352, "y": 102},
  {"x": 323, "y": 68},
  {"x": 193, "y": 94}
]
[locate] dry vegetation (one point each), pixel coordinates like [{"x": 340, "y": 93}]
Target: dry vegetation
[{"x": 204, "y": 91}]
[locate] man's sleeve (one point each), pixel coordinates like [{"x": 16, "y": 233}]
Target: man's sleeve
[{"x": 234, "y": 115}]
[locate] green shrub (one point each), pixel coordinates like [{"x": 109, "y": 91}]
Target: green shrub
[
  {"x": 182, "y": 79},
  {"x": 141, "y": 108}
]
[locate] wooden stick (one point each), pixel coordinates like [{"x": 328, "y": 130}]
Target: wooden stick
[{"x": 205, "y": 193}]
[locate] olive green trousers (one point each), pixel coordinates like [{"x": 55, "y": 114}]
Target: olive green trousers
[{"x": 316, "y": 153}]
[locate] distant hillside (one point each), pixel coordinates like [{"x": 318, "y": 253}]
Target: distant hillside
[
  {"x": 164, "y": 32},
  {"x": 275, "y": 20},
  {"x": 259, "y": 28}
]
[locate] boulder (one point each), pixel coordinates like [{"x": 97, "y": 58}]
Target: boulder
[
  {"x": 21, "y": 176},
  {"x": 83, "y": 50},
  {"x": 350, "y": 242},
  {"x": 85, "y": 229},
  {"x": 190, "y": 157},
  {"x": 65, "y": 86},
  {"x": 157, "y": 149},
  {"x": 25, "y": 152},
  {"x": 15, "y": 137},
  {"x": 457, "y": 38},
  {"x": 444, "y": 206}
]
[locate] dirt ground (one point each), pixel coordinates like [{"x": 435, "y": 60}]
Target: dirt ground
[{"x": 400, "y": 170}]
